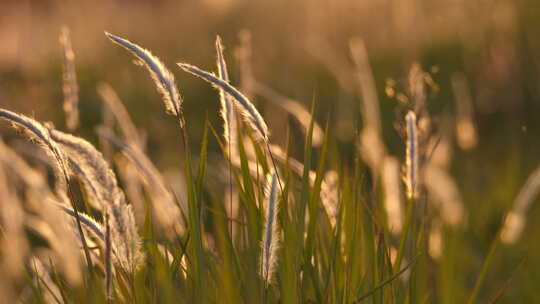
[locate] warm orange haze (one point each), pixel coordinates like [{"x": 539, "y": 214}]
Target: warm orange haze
[{"x": 233, "y": 151}]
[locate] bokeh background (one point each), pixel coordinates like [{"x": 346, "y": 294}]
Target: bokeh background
[{"x": 301, "y": 49}]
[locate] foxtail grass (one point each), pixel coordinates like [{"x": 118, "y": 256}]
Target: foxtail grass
[
  {"x": 271, "y": 233},
  {"x": 411, "y": 178}
]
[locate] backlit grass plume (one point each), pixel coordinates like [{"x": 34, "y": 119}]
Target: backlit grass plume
[
  {"x": 411, "y": 162},
  {"x": 124, "y": 236},
  {"x": 271, "y": 237},
  {"x": 227, "y": 105},
  {"x": 162, "y": 77},
  {"x": 38, "y": 132},
  {"x": 248, "y": 110},
  {"x": 88, "y": 163}
]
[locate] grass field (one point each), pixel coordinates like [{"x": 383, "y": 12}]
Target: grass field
[{"x": 285, "y": 152}]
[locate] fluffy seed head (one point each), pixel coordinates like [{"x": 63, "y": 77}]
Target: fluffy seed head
[
  {"x": 248, "y": 110},
  {"x": 162, "y": 77},
  {"x": 227, "y": 105},
  {"x": 412, "y": 155},
  {"x": 270, "y": 241}
]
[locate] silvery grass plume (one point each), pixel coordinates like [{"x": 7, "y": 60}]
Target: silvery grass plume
[
  {"x": 88, "y": 164},
  {"x": 271, "y": 237},
  {"x": 392, "y": 194},
  {"x": 162, "y": 77},
  {"x": 411, "y": 162},
  {"x": 465, "y": 126},
  {"x": 41, "y": 134},
  {"x": 230, "y": 133},
  {"x": 228, "y": 112},
  {"x": 516, "y": 219},
  {"x": 124, "y": 235},
  {"x": 248, "y": 110},
  {"x": 70, "y": 86}
]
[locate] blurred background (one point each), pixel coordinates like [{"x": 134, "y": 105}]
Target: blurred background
[{"x": 485, "y": 51}]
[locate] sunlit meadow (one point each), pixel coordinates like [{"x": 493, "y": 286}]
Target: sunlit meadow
[{"x": 232, "y": 151}]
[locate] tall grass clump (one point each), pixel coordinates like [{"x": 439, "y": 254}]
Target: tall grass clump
[{"x": 303, "y": 216}]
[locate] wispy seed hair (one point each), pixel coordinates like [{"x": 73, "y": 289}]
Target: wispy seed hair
[
  {"x": 271, "y": 238},
  {"x": 411, "y": 155},
  {"x": 248, "y": 110},
  {"x": 162, "y": 77}
]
